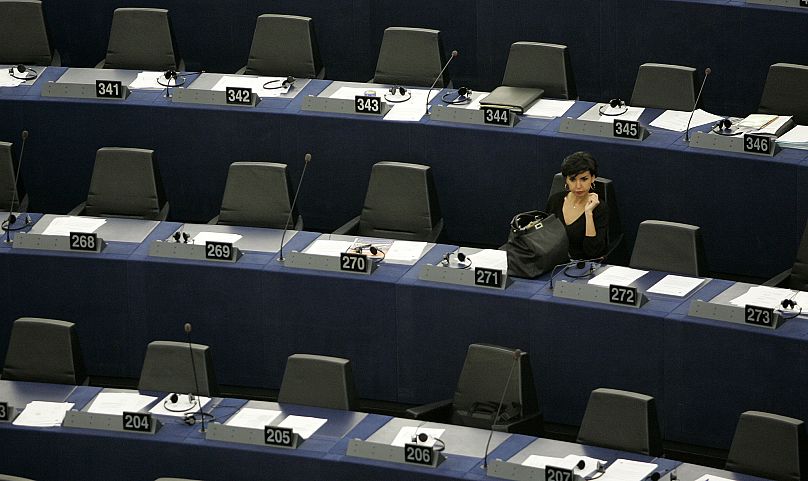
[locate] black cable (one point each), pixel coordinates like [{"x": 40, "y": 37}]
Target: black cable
[{"x": 22, "y": 69}]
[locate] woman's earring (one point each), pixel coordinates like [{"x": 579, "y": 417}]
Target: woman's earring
[{"x": 592, "y": 187}]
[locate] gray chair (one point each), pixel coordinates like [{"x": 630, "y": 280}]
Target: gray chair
[
  {"x": 605, "y": 189},
  {"x": 662, "y": 86},
  {"x": 125, "y": 183},
  {"x": 168, "y": 368},
  {"x": 401, "y": 203},
  {"x": 7, "y": 477},
  {"x": 670, "y": 247},
  {"x": 796, "y": 277},
  {"x": 411, "y": 56},
  {"x": 621, "y": 420},
  {"x": 479, "y": 391},
  {"x": 319, "y": 381},
  {"x": 769, "y": 446},
  {"x": 786, "y": 92},
  {"x": 22, "y": 20},
  {"x": 141, "y": 39},
  {"x": 543, "y": 66},
  {"x": 257, "y": 194},
  {"x": 284, "y": 45},
  {"x": 44, "y": 350},
  {"x": 7, "y": 173}
]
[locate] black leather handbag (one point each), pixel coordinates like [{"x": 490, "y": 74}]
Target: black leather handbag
[{"x": 537, "y": 242}]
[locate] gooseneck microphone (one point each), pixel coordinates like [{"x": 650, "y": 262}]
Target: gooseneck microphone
[
  {"x": 707, "y": 73},
  {"x": 14, "y": 193},
  {"x": 306, "y": 159},
  {"x": 454, "y": 54},
  {"x": 517, "y": 355},
  {"x": 196, "y": 379}
]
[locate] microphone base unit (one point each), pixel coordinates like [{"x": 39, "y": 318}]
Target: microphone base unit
[
  {"x": 79, "y": 91},
  {"x": 104, "y": 422},
  {"x": 197, "y": 252},
  {"x": 467, "y": 116},
  {"x": 318, "y": 262},
  {"x": 460, "y": 276},
  {"x": 210, "y": 97},
  {"x": 243, "y": 435},
  {"x": 724, "y": 143},
  {"x": 581, "y": 291},
  {"x": 594, "y": 128},
  {"x": 27, "y": 240},
  {"x": 359, "y": 448},
  {"x": 340, "y": 106},
  {"x": 730, "y": 313}
]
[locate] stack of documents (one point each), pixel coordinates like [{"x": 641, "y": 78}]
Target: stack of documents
[
  {"x": 6, "y": 80},
  {"x": 42, "y": 414},
  {"x": 117, "y": 403},
  {"x": 617, "y": 275},
  {"x": 67, "y": 224},
  {"x": 769, "y": 297},
  {"x": 304, "y": 426},
  {"x": 253, "y": 418},
  {"x": 676, "y": 120},
  {"x": 490, "y": 259},
  {"x": 408, "y": 432},
  {"x": 405, "y": 252},
  {"x": 591, "y": 465},
  {"x": 764, "y": 124},
  {"x": 679, "y": 286},
  {"x": 796, "y": 138}
]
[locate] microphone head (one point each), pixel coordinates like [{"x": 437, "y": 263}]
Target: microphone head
[
  {"x": 187, "y": 328},
  {"x": 461, "y": 257},
  {"x": 517, "y": 353},
  {"x": 580, "y": 464},
  {"x": 24, "y": 134},
  {"x": 423, "y": 437},
  {"x": 708, "y": 71},
  {"x": 374, "y": 250},
  {"x": 454, "y": 53},
  {"x": 655, "y": 476},
  {"x": 307, "y": 157},
  {"x": 174, "y": 398}
]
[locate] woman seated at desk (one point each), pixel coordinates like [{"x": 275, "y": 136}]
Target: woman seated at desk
[{"x": 579, "y": 208}]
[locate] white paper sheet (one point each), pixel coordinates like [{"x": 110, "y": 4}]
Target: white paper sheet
[
  {"x": 182, "y": 405},
  {"x": 757, "y": 121},
  {"x": 118, "y": 402},
  {"x": 631, "y": 113},
  {"x": 549, "y": 108},
  {"x": 203, "y": 237},
  {"x": 763, "y": 296},
  {"x": 801, "y": 298},
  {"x": 413, "y": 109},
  {"x": 253, "y": 418},
  {"x": 6, "y": 80},
  {"x": 796, "y": 138},
  {"x": 43, "y": 414},
  {"x": 349, "y": 93},
  {"x": 256, "y": 84},
  {"x": 491, "y": 259},
  {"x": 67, "y": 224},
  {"x": 676, "y": 120},
  {"x": 303, "y": 425},
  {"x": 626, "y": 470},
  {"x": 712, "y": 477},
  {"x": 617, "y": 275},
  {"x": 148, "y": 80},
  {"x": 407, "y": 432},
  {"x": 679, "y": 286},
  {"x": 405, "y": 252},
  {"x": 328, "y": 247},
  {"x": 568, "y": 462},
  {"x": 772, "y": 127}
]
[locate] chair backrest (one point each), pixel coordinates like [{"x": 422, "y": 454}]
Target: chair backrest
[
  {"x": 125, "y": 183},
  {"x": 621, "y": 420},
  {"x": 786, "y": 92},
  {"x": 7, "y": 173},
  {"x": 44, "y": 350},
  {"x": 284, "y": 45},
  {"x": 22, "y": 21},
  {"x": 482, "y": 382},
  {"x": 401, "y": 202},
  {"x": 669, "y": 246},
  {"x": 769, "y": 446},
  {"x": 7, "y": 477},
  {"x": 545, "y": 66},
  {"x": 257, "y": 194},
  {"x": 662, "y": 86},
  {"x": 168, "y": 368},
  {"x": 799, "y": 272},
  {"x": 605, "y": 189},
  {"x": 411, "y": 56},
  {"x": 319, "y": 381},
  {"x": 141, "y": 39}
]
